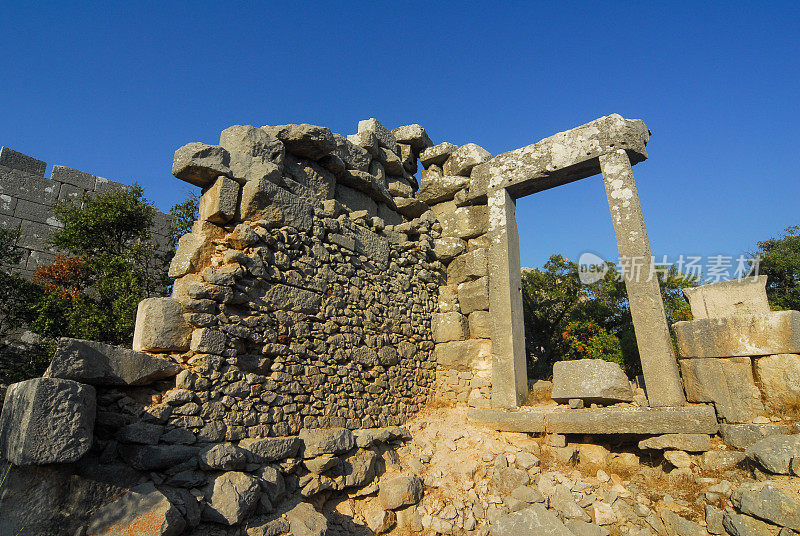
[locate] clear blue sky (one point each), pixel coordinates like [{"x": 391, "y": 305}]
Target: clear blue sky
[{"x": 115, "y": 88}]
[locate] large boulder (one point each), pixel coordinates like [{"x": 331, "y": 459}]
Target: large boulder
[
  {"x": 304, "y": 520},
  {"x": 413, "y": 135},
  {"x": 231, "y": 498},
  {"x": 742, "y": 436},
  {"x": 251, "y": 141},
  {"x": 437, "y": 155},
  {"x": 155, "y": 457},
  {"x": 465, "y": 158},
  {"x": 775, "y": 453},
  {"x": 143, "y": 511},
  {"x": 47, "y": 420},
  {"x": 96, "y": 363},
  {"x": 591, "y": 380},
  {"x": 384, "y": 135}
]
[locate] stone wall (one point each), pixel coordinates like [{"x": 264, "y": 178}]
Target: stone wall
[{"x": 27, "y": 199}]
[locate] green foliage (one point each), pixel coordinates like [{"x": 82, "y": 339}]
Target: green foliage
[
  {"x": 184, "y": 214},
  {"x": 112, "y": 264},
  {"x": 566, "y": 319},
  {"x": 780, "y": 262}
]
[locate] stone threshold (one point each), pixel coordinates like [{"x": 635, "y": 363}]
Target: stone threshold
[{"x": 693, "y": 419}]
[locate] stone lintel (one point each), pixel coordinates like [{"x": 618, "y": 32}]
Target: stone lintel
[
  {"x": 613, "y": 420},
  {"x": 567, "y": 156}
]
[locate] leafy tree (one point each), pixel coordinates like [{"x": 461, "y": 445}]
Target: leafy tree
[
  {"x": 183, "y": 215},
  {"x": 567, "y": 319},
  {"x": 780, "y": 262},
  {"x": 111, "y": 263}
]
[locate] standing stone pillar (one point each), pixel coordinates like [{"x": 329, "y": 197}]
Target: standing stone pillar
[
  {"x": 509, "y": 372},
  {"x": 644, "y": 296}
]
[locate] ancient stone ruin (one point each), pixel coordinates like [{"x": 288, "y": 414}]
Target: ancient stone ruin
[{"x": 326, "y": 299}]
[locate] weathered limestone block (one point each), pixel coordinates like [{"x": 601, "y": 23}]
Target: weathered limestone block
[
  {"x": 270, "y": 449},
  {"x": 770, "y": 501},
  {"x": 464, "y": 222},
  {"x": 728, "y": 383},
  {"x": 306, "y": 521},
  {"x": 391, "y": 162},
  {"x": 729, "y": 298},
  {"x": 384, "y": 135},
  {"x": 319, "y": 441},
  {"x": 448, "y": 327},
  {"x": 410, "y": 207},
  {"x": 469, "y": 355},
  {"x": 536, "y": 519},
  {"x": 467, "y": 267},
  {"x": 395, "y": 217},
  {"x": 354, "y": 200},
  {"x": 400, "y": 491},
  {"x": 465, "y": 158},
  {"x": 474, "y": 295},
  {"x": 319, "y": 182},
  {"x": 160, "y": 326},
  {"x": 200, "y": 164},
  {"x": 775, "y": 453},
  {"x": 480, "y": 325},
  {"x": 685, "y": 442},
  {"x": 743, "y": 335},
  {"x": 142, "y": 510},
  {"x": 413, "y": 135},
  {"x": 742, "y": 436},
  {"x": 408, "y": 158},
  {"x": 304, "y": 140},
  {"x": 447, "y": 248},
  {"x": 367, "y": 140},
  {"x": 437, "y": 155},
  {"x": 47, "y": 420},
  {"x": 354, "y": 156},
  {"x": 219, "y": 203},
  {"x": 435, "y": 188},
  {"x": 252, "y": 141},
  {"x": 96, "y": 363},
  {"x": 262, "y": 200},
  {"x": 399, "y": 188},
  {"x": 591, "y": 380},
  {"x": 448, "y": 299},
  {"x": 195, "y": 248},
  {"x": 155, "y": 457},
  {"x": 233, "y": 495},
  {"x": 778, "y": 378},
  {"x": 16, "y": 160},
  {"x": 208, "y": 341}
]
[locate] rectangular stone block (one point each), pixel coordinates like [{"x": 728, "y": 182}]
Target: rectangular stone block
[
  {"x": 7, "y": 204},
  {"x": 23, "y": 185},
  {"x": 73, "y": 177},
  {"x": 779, "y": 380},
  {"x": 467, "y": 267},
  {"x": 70, "y": 192},
  {"x": 263, "y": 200},
  {"x": 729, "y": 298},
  {"x": 36, "y": 236},
  {"x": 480, "y": 325},
  {"x": 771, "y": 333},
  {"x": 47, "y": 420},
  {"x": 160, "y": 326},
  {"x": 218, "y": 204},
  {"x": 469, "y": 355},
  {"x": 372, "y": 246},
  {"x": 612, "y": 420},
  {"x": 284, "y": 297},
  {"x": 448, "y": 327},
  {"x": 22, "y": 162},
  {"x": 28, "y": 210},
  {"x": 355, "y": 200},
  {"x": 474, "y": 295},
  {"x": 727, "y": 383},
  {"x": 465, "y": 222},
  {"x": 102, "y": 186}
]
